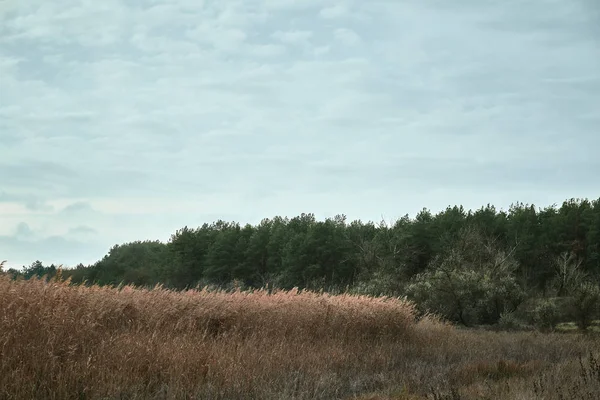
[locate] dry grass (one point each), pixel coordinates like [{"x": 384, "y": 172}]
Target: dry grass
[{"x": 74, "y": 342}]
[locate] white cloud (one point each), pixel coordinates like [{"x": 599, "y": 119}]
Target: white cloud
[
  {"x": 265, "y": 50},
  {"x": 333, "y": 12},
  {"x": 293, "y": 37},
  {"x": 347, "y": 36},
  {"x": 207, "y": 34},
  {"x": 159, "y": 114},
  {"x": 321, "y": 50}
]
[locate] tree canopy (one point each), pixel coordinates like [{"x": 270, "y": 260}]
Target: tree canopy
[{"x": 477, "y": 262}]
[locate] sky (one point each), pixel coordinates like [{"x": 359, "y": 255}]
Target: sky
[{"x": 127, "y": 120}]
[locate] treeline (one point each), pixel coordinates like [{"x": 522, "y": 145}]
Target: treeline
[{"x": 471, "y": 266}]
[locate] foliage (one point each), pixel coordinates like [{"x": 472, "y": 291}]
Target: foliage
[
  {"x": 139, "y": 263},
  {"x": 472, "y": 282},
  {"x": 585, "y": 304},
  {"x": 568, "y": 273},
  {"x": 546, "y": 314},
  {"x": 510, "y": 321},
  {"x": 479, "y": 262}
]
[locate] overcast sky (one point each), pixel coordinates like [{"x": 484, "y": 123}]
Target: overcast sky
[{"x": 126, "y": 120}]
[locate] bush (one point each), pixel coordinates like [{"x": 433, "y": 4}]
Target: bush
[
  {"x": 510, "y": 321},
  {"x": 546, "y": 314},
  {"x": 584, "y": 305},
  {"x": 473, "y": 282}
]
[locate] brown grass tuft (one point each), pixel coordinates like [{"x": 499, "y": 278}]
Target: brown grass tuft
[{"x": 59, "y": 341}]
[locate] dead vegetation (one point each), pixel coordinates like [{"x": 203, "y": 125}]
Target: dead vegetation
[{"x": 60, "y": 341}]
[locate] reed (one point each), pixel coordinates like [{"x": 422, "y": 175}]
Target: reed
[{"x": 62, "y": 341}]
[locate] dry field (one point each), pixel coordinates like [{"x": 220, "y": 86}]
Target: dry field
[{"x": 74, "y": 342}]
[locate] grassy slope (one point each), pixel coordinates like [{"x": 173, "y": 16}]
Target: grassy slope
[{"x": 66, "y": 342}]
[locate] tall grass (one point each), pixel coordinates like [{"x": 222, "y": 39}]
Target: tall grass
[{"x": 59, "y": 341}]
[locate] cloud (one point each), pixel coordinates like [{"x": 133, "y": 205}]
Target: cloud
[
  {"x": 38, "y": 205},
  {"x": 82, "y": 229},
  {"x": 77, "y": 207},
  {"x": 347, "y": 36},
  {"x": 293, "y": 37},
  {"x": 321, "y": 50},
  {"x": 23, "y": 230},
  {"x": 82, "y": 233},
  {"x": 136, "y": 118},
  {"x": 50, "y": 250},
  {"x": 333, "y": 12},
  {"x": 31, "y": 202}
]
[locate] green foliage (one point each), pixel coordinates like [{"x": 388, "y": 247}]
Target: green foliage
[
  {"x": 223, "y": 257},
  {"x": 546, "y": 314},
  {"x": 38, "y": 270},
  {"x": 471, "y": 282},
  {"x": 585, "y": 304},
  {"x": 472, "y": 266},
  {"x": 510, "y": 321},
  {"x": 138, "y": 263}
]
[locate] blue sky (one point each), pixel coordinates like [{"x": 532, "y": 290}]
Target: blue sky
[{"x": 126, "y": 120}]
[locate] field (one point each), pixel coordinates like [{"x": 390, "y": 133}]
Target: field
[{"x": 75, "y": 342}]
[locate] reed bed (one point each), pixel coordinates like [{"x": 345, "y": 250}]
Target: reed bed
[{"x": 61, "y": 341}]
